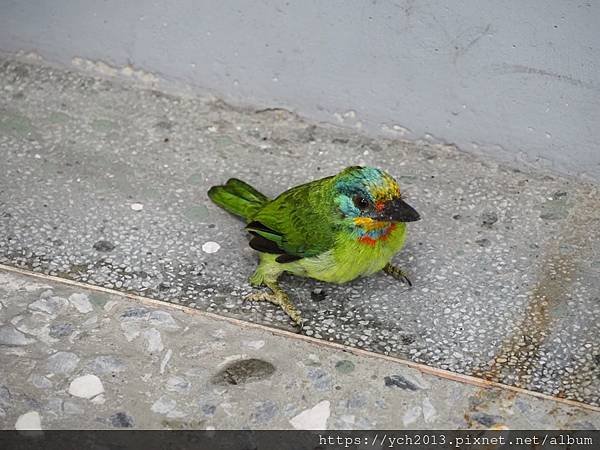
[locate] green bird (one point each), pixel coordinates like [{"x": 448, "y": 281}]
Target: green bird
[{"x": 334, "y": 229}]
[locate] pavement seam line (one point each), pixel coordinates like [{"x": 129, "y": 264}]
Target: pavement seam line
[{"x": 440, "y": 373}]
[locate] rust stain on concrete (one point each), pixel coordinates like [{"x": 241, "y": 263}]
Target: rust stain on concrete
[{"x": 520, "y": 352}]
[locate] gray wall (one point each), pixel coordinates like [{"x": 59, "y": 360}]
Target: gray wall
[{"x": 516, "y": 79}]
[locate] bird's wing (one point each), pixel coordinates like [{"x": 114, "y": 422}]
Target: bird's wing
[{"x": 295, "y": 225}]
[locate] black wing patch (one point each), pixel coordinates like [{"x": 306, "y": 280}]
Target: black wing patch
[
  {"x": 265, "y": 245},
  {"x": 287, "y": 258},
  {"x": 259, "y": 226}
]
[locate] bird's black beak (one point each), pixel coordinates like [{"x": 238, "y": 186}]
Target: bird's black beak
[{"x": 397, "y": 210}]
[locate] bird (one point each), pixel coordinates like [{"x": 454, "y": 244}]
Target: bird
[{"x": 334, "y": 229}]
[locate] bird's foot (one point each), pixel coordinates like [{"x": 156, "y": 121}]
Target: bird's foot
[
  {"x": 279, "y": 298},
  {"x": 397, "y": 273}
]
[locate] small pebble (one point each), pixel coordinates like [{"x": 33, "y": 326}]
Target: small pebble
[
  {"x": 86, "y": 386},
  {"x": 81, "y": 302},
  {"x": 121, "y": 420},
  {"x": 29, "y": 421},
  {"x": 210, "y": 247},
  {"x": 314, "y": 418},
  {"x": 104, "y": 246},
  {"x": 317, "y": 294}
]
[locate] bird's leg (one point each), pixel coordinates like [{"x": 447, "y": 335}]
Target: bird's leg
[
  {"x": 397, "y": 273},
  {"x": 277, "y": 297}
]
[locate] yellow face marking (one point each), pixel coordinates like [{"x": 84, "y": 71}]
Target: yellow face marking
[{"x": 369, "y": 224}]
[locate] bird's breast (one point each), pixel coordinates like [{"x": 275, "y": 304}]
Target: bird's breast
[{"x": 354, "y": 256}]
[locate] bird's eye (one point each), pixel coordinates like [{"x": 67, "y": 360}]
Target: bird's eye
[{"x": 360, "y": 202}]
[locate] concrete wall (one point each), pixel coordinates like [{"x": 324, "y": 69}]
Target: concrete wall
[{"x": 516, "y": 79}]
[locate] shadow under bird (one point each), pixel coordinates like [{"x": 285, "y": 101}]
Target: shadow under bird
[{"x": 334, "y": 229}]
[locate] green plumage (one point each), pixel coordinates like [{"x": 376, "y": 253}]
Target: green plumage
[
  {"x": 333, "y": 229},
  {"x": 238, "y": 198}
]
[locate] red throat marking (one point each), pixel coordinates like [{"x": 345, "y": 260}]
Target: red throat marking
[{"x": 368, "y": 240}]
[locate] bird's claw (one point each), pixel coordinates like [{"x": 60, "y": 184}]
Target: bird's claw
[
  {"x": 405, "y": 279},
  {"x": 397, "y": 273},
  {"x": 280, "y": 299}
]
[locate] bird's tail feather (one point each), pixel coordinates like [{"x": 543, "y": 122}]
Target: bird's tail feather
[{"x": 238, "y": 198}]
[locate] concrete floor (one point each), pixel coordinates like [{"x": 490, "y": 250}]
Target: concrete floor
[
  {"x": 106, "y": 184},
  {"x": 82, "y": 359}
]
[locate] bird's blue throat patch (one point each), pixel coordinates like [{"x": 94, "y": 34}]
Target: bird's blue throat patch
[{"x": 369, "y": 232}]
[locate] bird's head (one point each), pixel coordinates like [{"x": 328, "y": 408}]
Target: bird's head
[{"x": 371, "y": 198}]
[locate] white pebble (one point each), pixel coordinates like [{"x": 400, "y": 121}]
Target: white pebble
[
  {"x": 256, "y": 345},
  {"x": 429, "y": 412},
  {"x": 314, "y": 418},
  {"x": 411, "y": 415},
  {"x": 153, "y": 340},
  {"x": 86, "y": 386},
  {"x": 210, "y": 247},
  {"x": 99, "y": 400},
  {"x": 81, "y": 303},
  {"x": 29, "y": 421},
  {"x": 110, "y": 304},
  {"x": 165, "y": 361},
  {"x": 137, "y": 206}
]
